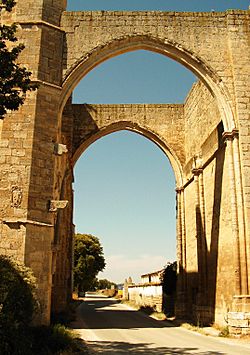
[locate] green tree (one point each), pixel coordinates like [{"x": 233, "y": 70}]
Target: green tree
[
  {"x": 14, "y": 79},
  {"x": 105, "y": 284},
  {"x": 169, "y": 278},
  {"x": 88, "y": 261}
]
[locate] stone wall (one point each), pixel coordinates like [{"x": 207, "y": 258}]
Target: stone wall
[
  {"x": 27, "y": 149},
  {"x": 87, "y": 30},
  {"x": 209, "y": 240},
  {"x": 202, "y": 116}
]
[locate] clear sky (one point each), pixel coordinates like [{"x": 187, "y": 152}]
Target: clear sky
[{"x": 124, "y": 185}]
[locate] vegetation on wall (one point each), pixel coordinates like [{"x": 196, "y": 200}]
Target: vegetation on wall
[
  {"x": 14, "y": 78},
  {"x": 88, "y": 261}
]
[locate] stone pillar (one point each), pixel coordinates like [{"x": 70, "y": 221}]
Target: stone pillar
[
  {"x": 184, "y": 246},
  {"x": 181, "y": 303},
  {"x": 125, "y": 290},
  {"x": 179, "y": 233},
  {"x": 229, "y": 137},
  {"x": 199, "y": 232},
  {"x": 241, "y": 216},
  {"x": 239, "y": 317},
  {"x": 203, "y": 311},
  {"x": 63, "y": 246}
]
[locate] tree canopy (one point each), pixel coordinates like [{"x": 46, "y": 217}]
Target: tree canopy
[
  {"x": 105, "y": 284},
  {"x": 14, "y": 78},
  {"x": 169, "y": 278},
  {"x": 88, "y": 261},
  {"x": 7, "y": 4}
]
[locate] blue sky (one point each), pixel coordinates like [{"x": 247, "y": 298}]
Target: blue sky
[
  {"x": 158, "y": 5},
  {"x": 124, "y": 185}
]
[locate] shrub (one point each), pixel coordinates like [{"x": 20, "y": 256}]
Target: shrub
[
  {"x": 53, "y": 339},
  {"x": 17, "y": 304}
]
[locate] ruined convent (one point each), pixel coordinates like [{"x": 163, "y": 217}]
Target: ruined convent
[{"x": 206, "y": 139}]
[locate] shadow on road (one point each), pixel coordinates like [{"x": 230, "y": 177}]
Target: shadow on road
[
  {"x": 107, "y": 316},
  {"x": 115, "y": 347}
]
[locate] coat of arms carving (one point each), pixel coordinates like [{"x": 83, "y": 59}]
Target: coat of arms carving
[{"x": 16, "y": 196}]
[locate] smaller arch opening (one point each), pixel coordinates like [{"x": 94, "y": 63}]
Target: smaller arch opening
[{"x": 125, "y": 194}]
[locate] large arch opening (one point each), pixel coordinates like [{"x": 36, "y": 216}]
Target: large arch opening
[
  {"x": 190, "y": 134},
  {"x": 127, "y": 124},
  {"x": 122, "y": 45}
]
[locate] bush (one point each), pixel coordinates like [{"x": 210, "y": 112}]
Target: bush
[
  {"x": 17, "y": 304},
  {"x": 53, "y": 339}
]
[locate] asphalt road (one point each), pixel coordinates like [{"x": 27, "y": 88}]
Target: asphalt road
[{"x": 112, "y": 328}]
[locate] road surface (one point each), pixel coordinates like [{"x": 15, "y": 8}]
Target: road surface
[{"x": 111, "y": 328}]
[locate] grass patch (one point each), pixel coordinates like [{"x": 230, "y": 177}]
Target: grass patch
[
  {"x": 131, "y": 304},
  {"x": 146, "y": 309},
  {"x": 44, "y": 340},
  {"x": 67, "y": 316},
  {"x": 54, "y": 340},
  {"x": 194, "y": 328},
  {"x": 158, "y": 315},
  {"x": 224, "y": 332}
]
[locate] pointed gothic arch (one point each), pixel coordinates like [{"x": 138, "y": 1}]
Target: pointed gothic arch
[{"x": 173, "y": 50}]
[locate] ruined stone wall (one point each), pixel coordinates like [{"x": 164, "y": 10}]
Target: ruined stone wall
[
  {"x": 202, "y": 116},
  {"x": 216, "y": 47},
  {"x": 88, "y": 30},
  {"x": 213, "y": 45},
  {"x": 203, "y": 42},
  {"x": 239, "y": 45},
  {"x": 239, "y": 34},
  {"x": 206, "y": 151},
  {"x": 220, "y": 250},
  {"x": 165, "y": 122}
]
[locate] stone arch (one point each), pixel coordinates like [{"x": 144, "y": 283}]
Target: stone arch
[
  {"x": 145, "y": 132},
  {"x": 168, "y": 48},
  {"x": 62, "y": 47}
]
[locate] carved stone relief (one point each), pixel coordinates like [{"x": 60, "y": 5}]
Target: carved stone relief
[{"x": 16, "y": 196}]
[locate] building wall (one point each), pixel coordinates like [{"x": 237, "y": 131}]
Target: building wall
[{"x": 147, "y": 295}]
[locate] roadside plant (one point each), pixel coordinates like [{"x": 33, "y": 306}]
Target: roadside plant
[{"x": 17, "y": 305}]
